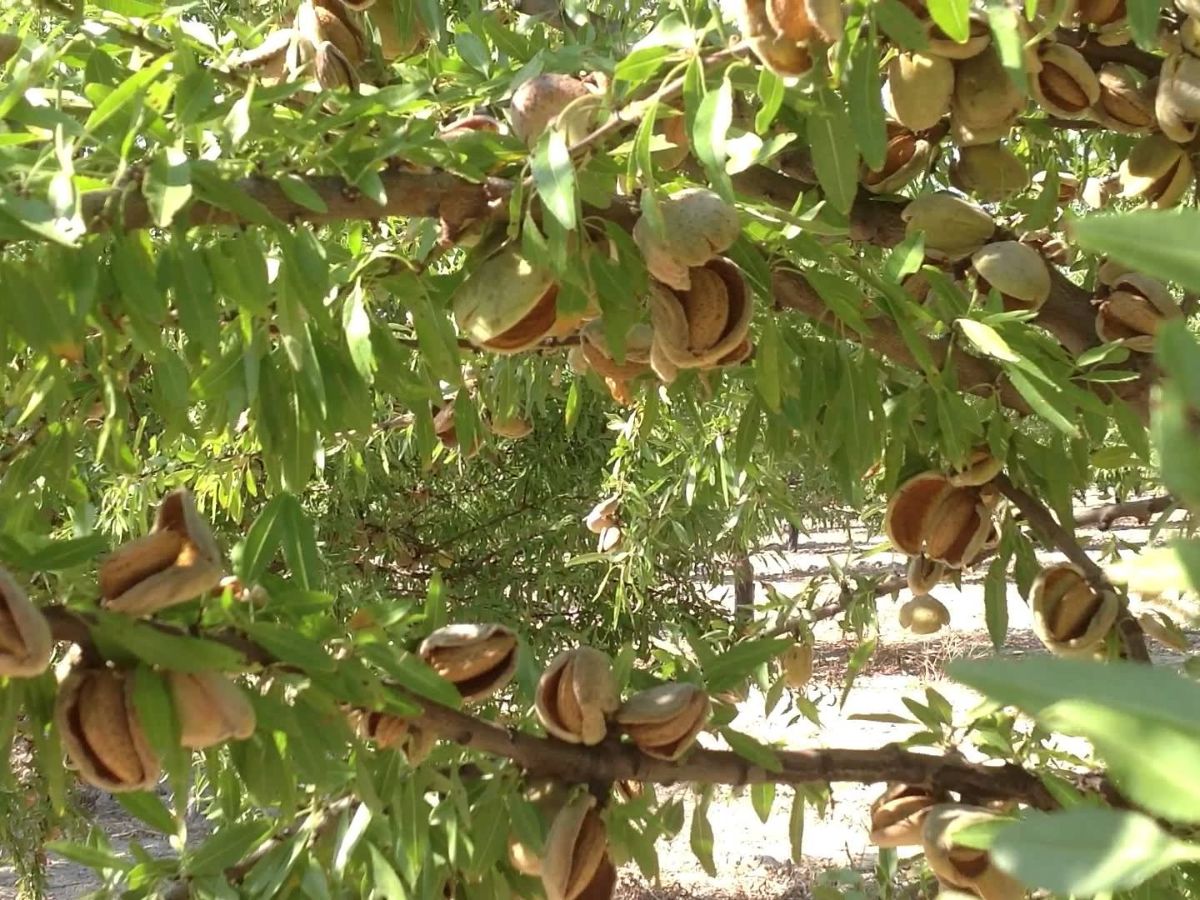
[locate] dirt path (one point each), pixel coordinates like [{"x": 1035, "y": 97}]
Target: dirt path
[{"x": 753, "y": 858}]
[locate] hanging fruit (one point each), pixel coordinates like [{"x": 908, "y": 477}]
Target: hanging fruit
[
  {"x": 176, "y": 562},
  {"x": 101, "y": 732},
  {"x": 479, "y": 660},
  {"x": 664, "y": 721},
  {"x": 26, "y": 644},
  {"x": 576, "y": 695}
]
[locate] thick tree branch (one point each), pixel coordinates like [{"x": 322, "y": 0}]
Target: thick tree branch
[
  {"x": 974, "y": 374},
  {"x": 1103, "y": 517},
  {"x": 1097, "y": 54},
  {"x": 433, "y": 195},
  {"x": 1068, "y": 313},
  {"x": 1042, "y": 521},
  {"x": 615, "y": 761}
]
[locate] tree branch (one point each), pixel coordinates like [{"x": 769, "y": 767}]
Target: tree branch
[
  {"x": 616, "y": 761},
  {"x": 974, "y": 374},
  {"x": 1068, "y": 313},
  {"x": 1097, "y": 54},
  {"x": 1103, "y": 517},
  {"x": 1042, "y": 521},
  {"x": 433, "y": 195}
]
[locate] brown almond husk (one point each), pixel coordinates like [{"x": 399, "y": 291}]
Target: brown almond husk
[
  {"x": 594, "y": 346},
  {"x": 898, "y": 815},
  {"x": 101, "y": 733},
  {"x": 664, "y": 721},
  {"x": 911, "y": 508},
  {"x": 575, "y": 696},
  {"x": 269, "y": 60},
  {"x": 211, "y": 709},
  {"x": 981, "y": 468},
  {"x": 575, "y": 860},
  {"x": 1069, "y": 617},
  {"x": 176, "y": 562},
  {"x": 396, "y": 39},
  {"x": 719, "y": 282},
  {"x": 479, "y": 660},
  {"x": 924, "y": 615},
  {"x": 924, "y": 574},
  {"x": 603, "y": 515},
  {"x": 26, "y": 643},
  {"x": 959, "y": 867}
]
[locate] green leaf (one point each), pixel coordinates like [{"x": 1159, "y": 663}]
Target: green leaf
[
  {"x": 842, "y": 297},
  {"x": 701, "y": 835},
  {"x": 412, "y": 673},
  {"x": 199, "y": 315},
  {"x": 1143, "y": 22},
  {"x": 356, "y": 325},
  {"x": 770, "y": 92},
  {"x": 92, "y": 857},
  {"x": 749, "y": 748},
  {"x": 155, "y": 709},
  {"x": 299, "y": 541},
  {"x": 834, "y": 155},
  {"x": 167, "y": 186},
  {"x": 300, "y": 192},
  {"x": 1143, "y": 721},
  {"x": 1179, "y": 353},
  {"x": 490, "y": 825},
  {"x": 1156, "y": 694},
  {"x": 796, "y": 828},
  {"x": 713, "y": 118},
  {"x": 554, "y": 176},
  {"x": 740, "y": 660},
  {"x": 1156, "y": 766},
  {"x": 1175, "y": 438},
  {"x": 987, "y": 340},
  {"x": 231, "y": 842},
  {"x": 263, "y": 540},
  {"x": 286, "y": 644},
  {"x": 768, "y": 367},
  {"x": 640, "y": 66},
  {"x": 127, "y": 90},
  {"x": 900, "y": 24},
  {"x": 995, "y": 601},
  {"x": 1041, "y": 404},
  {"x": 384, "y": 878},
  {"x": 57, "y": 556},
  {"x": 349, "y": 838},
  {"x": 178, "y": 652},
  {"x": 866, "y": 112},
  {"x": 1087, "y": 850},
  {"x": 1008, "y": 37},
  {"x": 762, "y": 798},
  {"x": 1147, "y": 241},
  {"x": 149, "y": 808},
  {"x": 953, "y": 17},
  {"x": 435, "y": 601}
]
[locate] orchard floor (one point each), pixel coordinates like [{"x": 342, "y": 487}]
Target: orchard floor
[{"x": 753, "y": 858}]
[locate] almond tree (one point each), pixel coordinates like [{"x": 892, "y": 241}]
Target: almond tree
[{"x": 387, "y": 384}]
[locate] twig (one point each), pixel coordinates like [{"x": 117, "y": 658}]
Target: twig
[
  {"x": 319, "y": 822},
  {"x": 1042, "y": 520},
  {"x": 835, "y": 607},
  {"x": 139, "y": 41}
]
